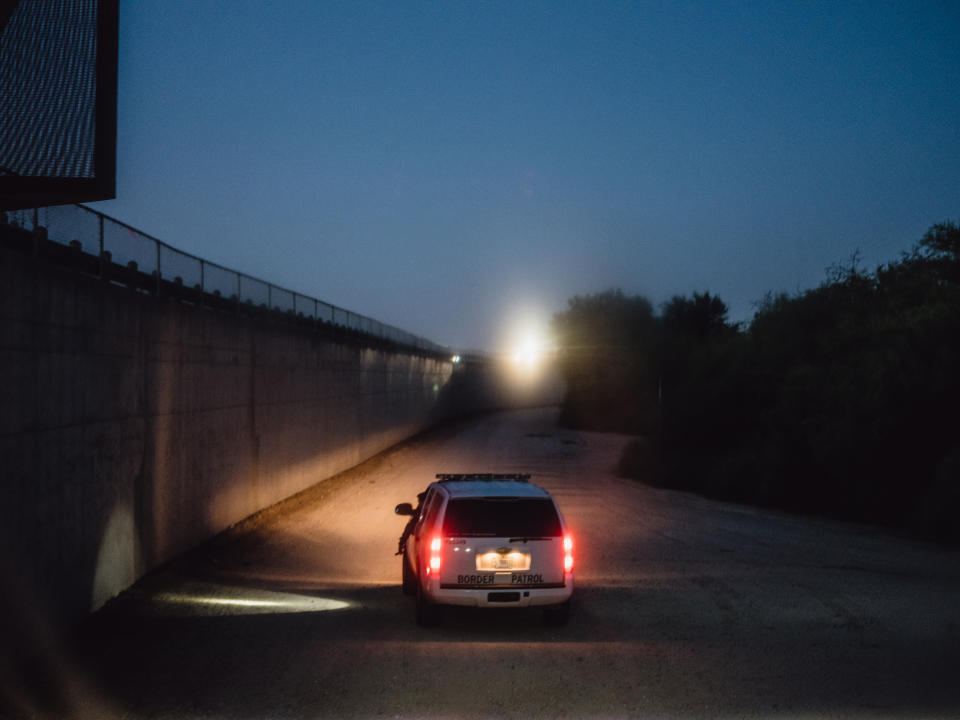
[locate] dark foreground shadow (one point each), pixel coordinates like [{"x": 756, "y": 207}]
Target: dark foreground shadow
[{"x": 255, "y": 651}]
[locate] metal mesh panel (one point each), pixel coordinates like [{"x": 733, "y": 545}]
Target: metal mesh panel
[
  {"x": 48, "y": 82},
  {"x": 220, "y": 280},
  {"x": 66, "y": 223},
  {"x": 281, "y": 299},
  {"x": 324, "y": 311},
  {"x": 175, "y": 264},
  {"x": 126, "y": 245},
  {"x": 254, "y": 291},
  {"x": 305, "y": 307},
  {"x": 19, "y": 218}
]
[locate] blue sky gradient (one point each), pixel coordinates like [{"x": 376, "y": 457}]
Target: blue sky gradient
[{"x": 440, "y": 166}]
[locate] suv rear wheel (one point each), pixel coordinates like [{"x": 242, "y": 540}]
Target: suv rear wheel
[{"x": 427, "y": 613}]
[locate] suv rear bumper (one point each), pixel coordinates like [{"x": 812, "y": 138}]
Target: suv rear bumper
[{"x": 500, "y": 596}]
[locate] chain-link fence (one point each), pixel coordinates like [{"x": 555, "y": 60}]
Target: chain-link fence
[{"x": 124, "y": 253}]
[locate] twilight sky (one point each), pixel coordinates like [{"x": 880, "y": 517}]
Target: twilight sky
[{"x": 447, "y": 166}]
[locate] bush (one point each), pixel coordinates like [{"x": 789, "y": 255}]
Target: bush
[{"x": 841, "y": 400}]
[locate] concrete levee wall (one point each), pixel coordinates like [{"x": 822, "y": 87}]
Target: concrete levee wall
[{"x": 133, "y": 428}]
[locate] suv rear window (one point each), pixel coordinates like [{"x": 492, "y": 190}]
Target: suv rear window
[{"x": 502, "y": 517}]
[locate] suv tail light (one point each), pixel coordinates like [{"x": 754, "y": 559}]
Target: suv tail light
[
  {"x": 567, "y": 553},
  {"x": 435, "y": 545}
]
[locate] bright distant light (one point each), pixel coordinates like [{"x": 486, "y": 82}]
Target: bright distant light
[
  {"x": 455, "y": 359},
  {"x": 530, "y": 350},
  {"x": 526, "y": 344},
  {"x": 528, "y": 356}
]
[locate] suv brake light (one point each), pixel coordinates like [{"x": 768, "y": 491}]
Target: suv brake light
[
  {"x": 567, "y": 553},
  {"x": 435, "y": 545}
]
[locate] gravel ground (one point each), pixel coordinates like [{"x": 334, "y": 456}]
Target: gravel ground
[{"x": 684, "y": 607}]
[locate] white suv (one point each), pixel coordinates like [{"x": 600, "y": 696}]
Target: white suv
[{"x": 486, "y": 540}]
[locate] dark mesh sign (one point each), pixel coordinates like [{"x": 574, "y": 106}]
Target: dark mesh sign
[{"x": 58, "y": 68}]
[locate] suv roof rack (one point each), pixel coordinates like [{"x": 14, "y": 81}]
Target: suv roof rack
[{"x": 453, "y": 477}]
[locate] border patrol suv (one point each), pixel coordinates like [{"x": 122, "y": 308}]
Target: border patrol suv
[{"x": 486, "y": 540}]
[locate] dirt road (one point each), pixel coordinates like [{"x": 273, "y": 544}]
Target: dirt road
[{"x": 685, "y": 607}]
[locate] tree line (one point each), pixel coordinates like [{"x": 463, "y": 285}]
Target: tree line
[{"x": 842, "y": 400}]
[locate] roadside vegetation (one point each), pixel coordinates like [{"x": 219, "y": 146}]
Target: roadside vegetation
[{"x": 843, "y": 400}]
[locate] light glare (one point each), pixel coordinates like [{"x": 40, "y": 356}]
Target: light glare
[
  {"x": 527, "y": 346},
  {"x": 278, "y": 603}
]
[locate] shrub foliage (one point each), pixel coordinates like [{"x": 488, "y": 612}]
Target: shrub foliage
[{"x": 842, "y": 400}]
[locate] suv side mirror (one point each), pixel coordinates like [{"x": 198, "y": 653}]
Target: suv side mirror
[{"x": 404, "y": 509}]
